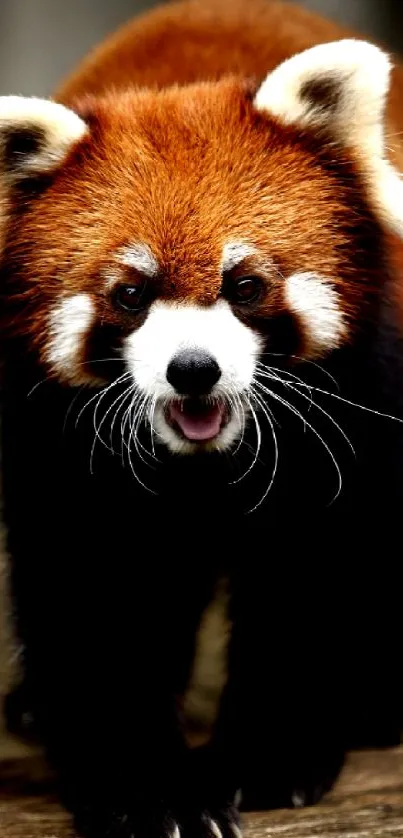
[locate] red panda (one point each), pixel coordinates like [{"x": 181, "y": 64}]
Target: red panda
[{"x": 201, "y": 335}]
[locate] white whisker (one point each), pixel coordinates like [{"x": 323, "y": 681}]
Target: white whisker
[
  {"x": 99, "y": 394},
  {"x": 269, "y": 416},
  {"x": 257, "y": 451},
  {"x": 135, "y": 424},
  {"x": 151, "y": 423},
  {"x": 316, "y": 433},
  {"x": 311, "y": 403},
  {"x": 133, "y": 436},
  {"x": 126, "y": 395},
  {"x": 356, "y": 404},
  {"x": 71, "y": 405},
  {"x": 236, "y": 404},
  {"x": 98, "y": 428},
  {"x": 97, "y": 435},
  {"x": 38, "y": 384},
  {"x": 305, "y": 361},
  {"x": 50, "y": 377},
  {"x": 123, "y": 424}
]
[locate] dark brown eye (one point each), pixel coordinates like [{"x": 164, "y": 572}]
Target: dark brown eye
[
  {"x": 131, "y": 297},
  {"x": 245, "y": 289}
]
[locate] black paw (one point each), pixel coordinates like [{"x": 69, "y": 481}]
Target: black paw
[
  {"x": 215, "y": 823},
  {"x": 157, "y": 823},
  {"x": 99, "y": 822},
  {"x": 299, "y": 787},
  {"x": 19, "y": 717},
  {"x": 315, "y": 779},
  {"x": 308, "y": 794}
]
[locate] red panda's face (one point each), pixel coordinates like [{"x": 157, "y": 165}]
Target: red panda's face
[{"x": 187, "y": 235}]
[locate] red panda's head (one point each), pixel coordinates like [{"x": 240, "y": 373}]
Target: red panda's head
[{"x": 192, "y": 231}]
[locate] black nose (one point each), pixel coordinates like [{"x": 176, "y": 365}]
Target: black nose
[{"x": 193, "y": 372}]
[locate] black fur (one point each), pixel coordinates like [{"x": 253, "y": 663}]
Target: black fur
[{"x": 110, "y": 581}]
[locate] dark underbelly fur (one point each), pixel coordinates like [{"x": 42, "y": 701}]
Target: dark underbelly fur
[{"x": 110, "y": 581}]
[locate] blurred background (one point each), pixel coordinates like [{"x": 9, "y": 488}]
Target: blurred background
[{"x": 41, "y": 40}]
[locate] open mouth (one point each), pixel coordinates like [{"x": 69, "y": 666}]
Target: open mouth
[{"x": 197, "y": 420}]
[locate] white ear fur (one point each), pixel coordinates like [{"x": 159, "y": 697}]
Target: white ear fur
[
  {"x": 340, "y": 89},
  {"x": 35, "y": 135}
]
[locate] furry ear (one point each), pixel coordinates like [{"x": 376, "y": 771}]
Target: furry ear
[
  {"x": 35, "y": 136},
  {"x": 340, "y": 89}
]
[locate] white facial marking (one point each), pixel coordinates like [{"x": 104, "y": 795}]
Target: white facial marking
[
  {"x": 111, "y": 276},
  {"x": 60, "y": 126},
  {"x": 317, "y": 305},
  {"x": 234, "y": 253},
  {"x": 172, "y": 328},
  {"x": 140, "y": 257},
  {"x": 69, "y": 324}
]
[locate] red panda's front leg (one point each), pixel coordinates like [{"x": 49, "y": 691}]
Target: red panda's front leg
[
  {"x": 113, "y": 738},
  {"x": 123, "y": 768},
  {"x": 278, "y": 737}
]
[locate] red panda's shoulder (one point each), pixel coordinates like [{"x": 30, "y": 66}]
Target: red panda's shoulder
[{"x": 198, "y": 40}]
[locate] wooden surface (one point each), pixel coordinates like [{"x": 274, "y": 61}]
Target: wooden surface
[{"x": 366, "y": 803}]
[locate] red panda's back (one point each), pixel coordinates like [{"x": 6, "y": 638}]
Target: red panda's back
[{"x": 197, "y": 40}]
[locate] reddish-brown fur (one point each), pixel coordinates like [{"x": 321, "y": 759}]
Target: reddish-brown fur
[
  {"x": 186, "y": 192},
  {"x": 150, "y": 51},
  {"x": 187, "y": 168}
]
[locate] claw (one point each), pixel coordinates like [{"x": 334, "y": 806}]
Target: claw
[
  {"x": 238, "y": 798},
  {"x": 215, "y": 829},
  {"x": 298, "y": 799}
]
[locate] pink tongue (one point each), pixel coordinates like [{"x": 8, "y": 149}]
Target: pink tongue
[{"x": 198, "y": 426}]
